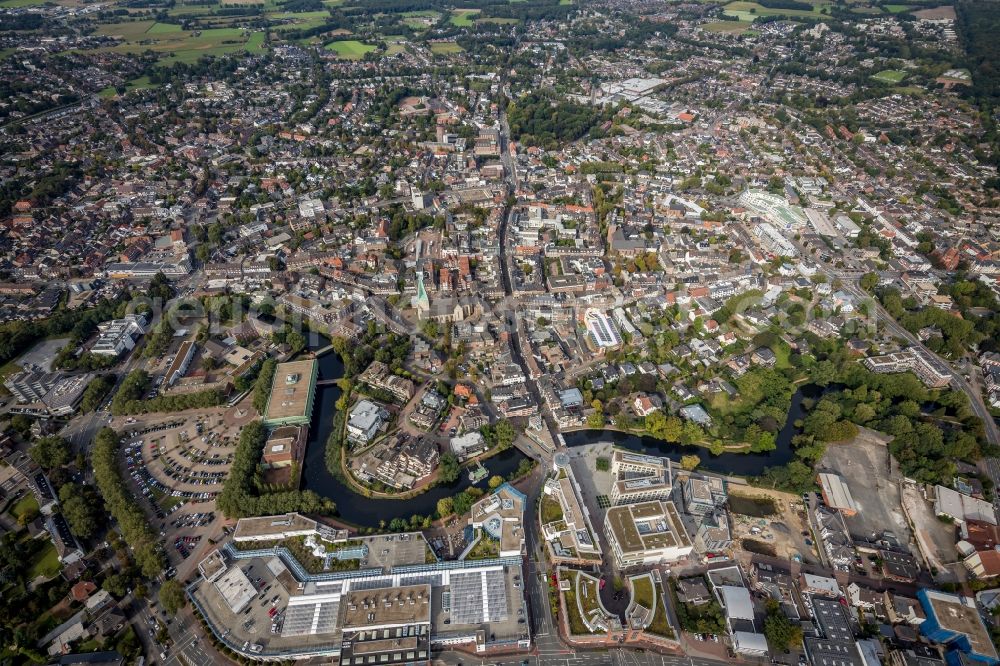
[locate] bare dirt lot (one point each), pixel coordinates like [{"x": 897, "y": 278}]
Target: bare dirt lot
[
  {"x": 935, "y": 538},
  {"x": 942, "y": 12},
  {"x": 786, "y": 530}
]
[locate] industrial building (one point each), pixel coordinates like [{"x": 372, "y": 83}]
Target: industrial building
[
  {"x": 118, "y": 335},
  {"x": 292, "y": 392},
  {"x": 385, "y": 602},
  {"x": 837, "y": 494}
]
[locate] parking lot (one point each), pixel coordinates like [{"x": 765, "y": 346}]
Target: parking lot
[
  {"x": 873, "y": 479},
  {"x": 178, "y": 465}
]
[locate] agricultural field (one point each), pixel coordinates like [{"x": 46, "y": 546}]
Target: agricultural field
[
  {"x": 891, "y": 76},
  {"x": 177, "y": 45},
  {"x": 445, "y": 48},
  {"x": 942, "y": 12},
  {"x": 14, "y": 4},
  {"x": 896, "y": 9},
  {"x": 163, "y": 29},
  {"x": 350, "y": 49},
  {"x": 463, "y": 18},
  {"x": 298, "y": 20},
  {"x": 728, "y": 27},
  {"x": 498, "y": 20},
  {"x": 748, "y": 11}
]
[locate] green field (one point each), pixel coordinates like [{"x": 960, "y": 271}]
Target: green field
[
  {"x": 748, "y": 11},
  {"x": 396, "y": 44},
  {"x": 350, "y": 49},
  {"x": 46, "y": 564},
  {"x": 891, "y": 76},
  {"x": 129, "y": 31},
  {"x": 445, "y": 48},
  {"x": 463, "y": 17},
  {"x": 299, "y": 21},
  {"x": 14, "y": 4},
  {"x": 896, "y": 9},
  {"x": 176, "y": 45},
  {"x": 498, "y": 20},
  {"x": 141, "y": 83},
  {"x": 163, "y": 29}
]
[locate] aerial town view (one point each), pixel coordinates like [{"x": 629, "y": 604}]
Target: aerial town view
[{"x": 500, "y": 332}]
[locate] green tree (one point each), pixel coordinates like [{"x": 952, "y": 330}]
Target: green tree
[
  {"x": 504, "y": 433},
  {"x": 445, "y": 506},
  {"x": 50, "y": 452},
  {"x": 172, "y": 597},
  {"x": 781, "y": 633},
  {"x": 690, "y": 462},
  {"x": 496, "y": 481},
  {"x": 449, "y": 469}
]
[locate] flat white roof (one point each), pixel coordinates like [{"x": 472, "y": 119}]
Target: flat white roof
[
  {"x": 236, "y": 589},
  {"x": 737, "y": 602}
]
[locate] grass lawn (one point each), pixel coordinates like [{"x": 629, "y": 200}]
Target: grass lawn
[
  {"x": 661, "y": 626},
  {"x": 589, "y": 593},
  {"x": 896, "y": 9},
  {"x": 891, "y": 76},
  {"x": 25, "y": 505},
  {"x": 350, "y": 49},
  {"x": 10, "y": 367},
  {"x": 498, "y": 20},
  {"x": 486, "y": 548},
  {"x": 395, "y": 45},
  {"x": 551, "y": 511},
  {"x": 46, "y": 563},
  {"x": 462, "y": 18},
  {"x": 782, "y": 355},
  {"x": 642, "y": 591},
  {"x": 445, "y": 48},
  {"x": 576, "y": 625}
]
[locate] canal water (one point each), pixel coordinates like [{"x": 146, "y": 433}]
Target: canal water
[
  {"x": 368, "y": 512},
  {"x": 739, "y": 464},
  {"x": 351, "y": 506}
]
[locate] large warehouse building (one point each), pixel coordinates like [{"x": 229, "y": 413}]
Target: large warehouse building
[
  {"x": 385, "y": 596},
  {"x": 292, "y": 391}
]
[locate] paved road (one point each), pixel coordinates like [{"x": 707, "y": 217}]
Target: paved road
[{"x": 615, "y": 657}]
